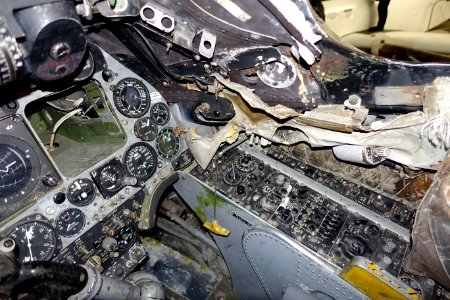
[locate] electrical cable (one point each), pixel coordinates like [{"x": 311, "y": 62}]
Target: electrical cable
[{"x": 59, "y": 123}]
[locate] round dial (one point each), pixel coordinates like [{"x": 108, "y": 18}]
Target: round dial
[
  {"x": 145, "y": 129},
  {"x": 126, "y": 237},
  {"x": 131, "y": 98},
  {"x": 160, "y": 114},
  {"x": 35, "y": 241},
  {"x": 167, "y": 144},
  {"x": 111, "y": 178},
  {"x": 140, "y": 161},
  {"x": 19, "y": 170},
  {"x": 81, "y": 192},
  {"x": 70, "y": 222}
]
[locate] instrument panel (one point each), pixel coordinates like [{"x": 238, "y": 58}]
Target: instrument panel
[
  {"x": 26, "y": 173},
  {"x": 331, "y": 217},
  {"x": 90, "y": 218},
  {"x": 306, "y": 214}
]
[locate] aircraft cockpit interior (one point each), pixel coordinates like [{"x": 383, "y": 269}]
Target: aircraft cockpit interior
[{"x": 215, "y": 149}]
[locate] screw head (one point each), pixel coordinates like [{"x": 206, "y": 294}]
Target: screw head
[{"x": 60, "y": 51}]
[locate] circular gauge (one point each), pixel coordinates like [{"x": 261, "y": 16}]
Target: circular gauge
[
  {"x": 167, "y": 144},
  {"x": 111, "y": 178},
  {"x": 126, "y": 237},
  {"x": 131, "y": 98},
  {"x": 70, "y": 222},
  {"x": 35, "y": 241},
  {"x": 145, "y": 129},
  {"x": 20, "y": 170},
  {"x": 81, "y": 192},
  {"x": 160, "y": 113},
  {"x": 140, "y": 161}
]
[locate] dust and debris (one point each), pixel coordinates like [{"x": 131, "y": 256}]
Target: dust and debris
[
  {"x": 278, "y": 111},
  {"x": 339, "y": 114},
  {"x": 178, "y": 273},
  {"x": 381, "y": 177},
  {"x": 232, "y": 56},
  {"x": 413, "y": 151}
]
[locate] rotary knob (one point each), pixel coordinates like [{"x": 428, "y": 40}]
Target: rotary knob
[
  {"x": 11, "y": 56},
  {"x": 286, "y": 215},
  {"x": 240, "y": 190},
  {"x": 280, "y": 180}
]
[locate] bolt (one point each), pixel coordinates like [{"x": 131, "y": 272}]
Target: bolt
[
  {"x": 168, "y": 46},
  {"x": 354, "y": 99},
  {"x": 60, "y": 51},
  {"x": 61, "y": 69},
  {"x": 207, "y": 67},
  {"x": 12, "y": 105},
  {"x": 165, "y": 84},
  {"x": 197, "y": 57}
]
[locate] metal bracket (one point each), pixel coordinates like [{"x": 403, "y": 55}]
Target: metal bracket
[
  {"x": 157, "y": 18},
  {"x": 207, "y": 44}
]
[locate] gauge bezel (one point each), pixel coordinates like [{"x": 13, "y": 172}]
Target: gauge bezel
[
  {"x": 127, "y": 167},
  {"x": 118, "y": 99},
  {"x": 96, "y": 174},
  {"x": 167, "y": 110},
  {"x": 38, "y": 218},
  {"x": 138, "y": 125},
  {"x": 65, "y": 211},
  {"x": 157, "y": 148},
  {"x": 130, "y": 242},
  {"x": 82, "y": 203},
  {"x": 34, "y": 163}
]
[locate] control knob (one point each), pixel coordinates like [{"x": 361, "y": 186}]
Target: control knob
[
  {"x": 110, "y": 244},
  {"x": 240, "y": 190},
  {"x": 280, "y": 180}
]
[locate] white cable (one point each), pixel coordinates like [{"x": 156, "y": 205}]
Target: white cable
[
  {"x": 59, "y": 123},
  {"x": 67, "y": 116}
]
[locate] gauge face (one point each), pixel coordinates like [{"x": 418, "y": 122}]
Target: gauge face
[
  {"x": 131, "y": 98},
  {"x": 145, "y": 129},
  {"x": 167, "y": 144},
  {"x": 70, "y": 222},
  {"x": 35, "y": 241},
  {"x": 19, "y": 170},
  {"x": 126, "y": 237},
  {"x": 140, "y": 161},
  {"x": 81, "y": 192},
  {"x": 111, "y": 178},
  {"x": 160, "y": 114}
]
